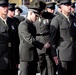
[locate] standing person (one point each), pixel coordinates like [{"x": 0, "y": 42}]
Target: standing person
[
  {"x": 18, "y": 11},
  {"x": 43, "y": 27},
  {"x": 60, "y": 34},
  {"x": 28, "y": 44},
  {"x": 73, "y": 30},
  {"x": 49, "y": 12},
  {"x": 4, "y": 57},
  {"x": 50, "y": 7},
  {"x": 73, "y": 9},
  {"x": 59, "y": 9},
  {"x": 13, "y": 38}
]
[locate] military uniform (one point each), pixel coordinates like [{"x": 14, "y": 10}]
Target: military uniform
[
  {"x": 14, "y": 41},
  {"x": 73, "y": 7},
  {"x": 43, "y": 35},
  {"x": 4, "y": 37},
  {"x": 45, "y": 58},
  {"x": 13, "y": 36},
  {"x": 73, "y": 30},
  {"x": 27, "y": 47},
  {"x": 60, "y": 34}
]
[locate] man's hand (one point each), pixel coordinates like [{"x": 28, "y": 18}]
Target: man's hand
[
  {"x": 47, "y": 45},
  {"x": 56, "y": 60}
]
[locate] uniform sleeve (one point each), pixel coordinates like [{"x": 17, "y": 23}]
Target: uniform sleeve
[
  {"x": 38, "y": 44},
  {"x": 27, "y": 37},
  {"x": 23, "y": 32},
  {"x": 54, "y": 35}
]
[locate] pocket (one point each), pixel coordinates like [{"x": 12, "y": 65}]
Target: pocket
[
  {"x": 65, "y": 45},
  {"x": 2, "y": 30},
  {"x": 65, "y": 30},
  {"x": 64, "y": 26}
]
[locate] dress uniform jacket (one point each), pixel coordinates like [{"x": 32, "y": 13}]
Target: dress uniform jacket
[
  {"x": 43, "y": 35},
  {"x": 4, "y": 59},
  {"x": 73, "y": 34},
  {"x": 13, "y": 38},
  {"x": 42, "y": 32},
  {"x": 27, "y": 34},
  {"x": 43, "y": 29},
  {"x": 60, "y": 31}
]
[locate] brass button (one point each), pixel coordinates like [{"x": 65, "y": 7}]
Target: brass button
[{"x": 9, "y": 44}]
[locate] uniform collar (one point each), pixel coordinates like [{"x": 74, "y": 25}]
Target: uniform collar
[
  {"x": 65, "y": 15},
  {"x": 4, "y": 20}
]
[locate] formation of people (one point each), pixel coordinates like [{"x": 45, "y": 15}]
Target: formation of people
[{"x": 44, "y": 41}]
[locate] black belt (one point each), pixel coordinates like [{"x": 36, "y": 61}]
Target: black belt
[{"x": 42, "y": 34}]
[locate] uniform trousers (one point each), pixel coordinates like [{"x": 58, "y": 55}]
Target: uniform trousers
[
  {"x": 46, "y": 65},
  {"x": 28, "y": 68},
  {"x": 66, "y": 68}
]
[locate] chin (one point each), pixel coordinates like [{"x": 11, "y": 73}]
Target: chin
[{"x": 69, "y": 12}]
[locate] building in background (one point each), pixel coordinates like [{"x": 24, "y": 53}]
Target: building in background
[
  {"x": 27, "y": 2},
  {"x": 18, "y": 2}
]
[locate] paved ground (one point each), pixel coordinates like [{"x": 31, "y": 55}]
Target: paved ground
[
  {"x": 36, "y": 74},
  {"x": 19, "y": 72}
]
